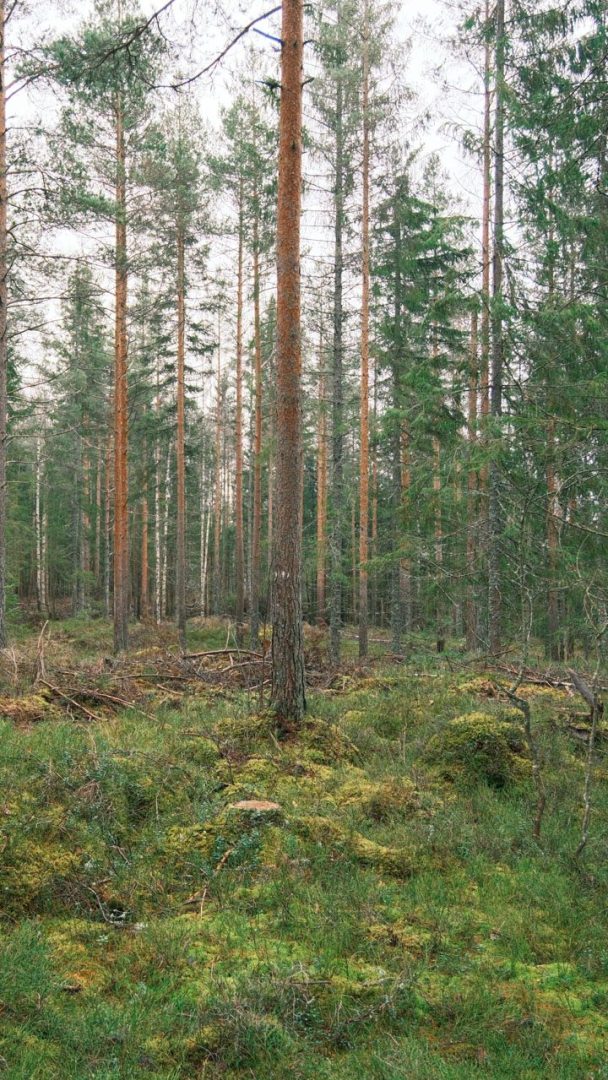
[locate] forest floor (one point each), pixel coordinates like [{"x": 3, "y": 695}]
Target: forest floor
[{"x": 184, "y": 896}]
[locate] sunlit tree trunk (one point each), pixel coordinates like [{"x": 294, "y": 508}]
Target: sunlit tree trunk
[{"x": 288, "y": 681}]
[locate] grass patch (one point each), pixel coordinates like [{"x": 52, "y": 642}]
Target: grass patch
[{"x": 391, "y": 918}]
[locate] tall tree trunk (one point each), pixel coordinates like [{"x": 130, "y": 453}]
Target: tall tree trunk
[
  {"x": 180, "y": 442},
  {"x": 374, "y": 496},
  {"x": 337, "y": 391},
  {"x": 471, "y": 613},
  {"x": 405, "y": 563},
  {"x": 494, "y": 515},
  {"x": 397, "y": 449},
  {"x": 364, "y": 397},
  {"x": 39, "y": 520},
  {"x": 107, "y": 531},
  {"x": 321, "y": 482},
  {"x": 205, "y": 516},
  {"x": 158, "y": 604},
  {"x": 288, "y": 679},
  {"x": 3, "y": 328},
  {"x": 256, "y": 530},
  {"x": 217, "y": 488},
  {"x": 553, "y": 645},
  {"x": 439, "y": 605},
  {"x": 98, "y": 529},
  {"x": 164, "y": 603},
  {"x": 121, "y": 484},
  {"x": 239, "y": 535},
  {"x": 77, "y": 523},
  {"x": 145, "y": 572}
]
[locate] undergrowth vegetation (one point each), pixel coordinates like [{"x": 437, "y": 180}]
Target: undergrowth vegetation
[{"x": 185, "y": 896}]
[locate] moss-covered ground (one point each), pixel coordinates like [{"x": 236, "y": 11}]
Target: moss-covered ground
[{"x": 383, "y": 913}]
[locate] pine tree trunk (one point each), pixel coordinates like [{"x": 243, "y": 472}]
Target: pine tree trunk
[
  {"x": 472, "y": 524},
  {"x": 107, "y": 528},
  {"x": 239, "y": 535},
  {"x": 288, "y": 681},
  {"x": 98, "y": 527},
  {"x": 217, "y": 489},
  {"x": 321, "y": 484},
  {"x": 158, "y": 606},
  {"x": 121, "y": 492},
  {"x": 145, "y": 571},
  {"x": 337, "y": 391},
  {"x": 256, "y": 531},
  {"x": 164, "y": 602},
  {"x": 180, "y": 444},
  {"x": 494, "y": 514},
  {"x": 3, "y": 328},
  {"x": 439, "y": 605},
  {"x": 374, "y": 497},
  {"x": 364, "y": 397}
]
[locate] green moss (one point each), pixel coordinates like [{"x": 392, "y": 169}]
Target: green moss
[
  {"x": 397, "y": 861},
  {"x": 479, "y": 744},
  {"x": 379, "y": 800}
]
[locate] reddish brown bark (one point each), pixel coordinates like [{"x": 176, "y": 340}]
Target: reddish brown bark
[{"x": 288, "y": 682}]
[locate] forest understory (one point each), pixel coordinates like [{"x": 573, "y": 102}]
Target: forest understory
[{"x": 186, "y": 894}]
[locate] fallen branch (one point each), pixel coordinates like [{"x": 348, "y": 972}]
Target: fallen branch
[{"x": 76, "y": 704}]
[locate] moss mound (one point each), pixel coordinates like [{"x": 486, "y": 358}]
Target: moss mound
[
  {"x": 396, "y": 861},
  {"x": 479, "y": 745},
  {"x": 379, "y": 800}
]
